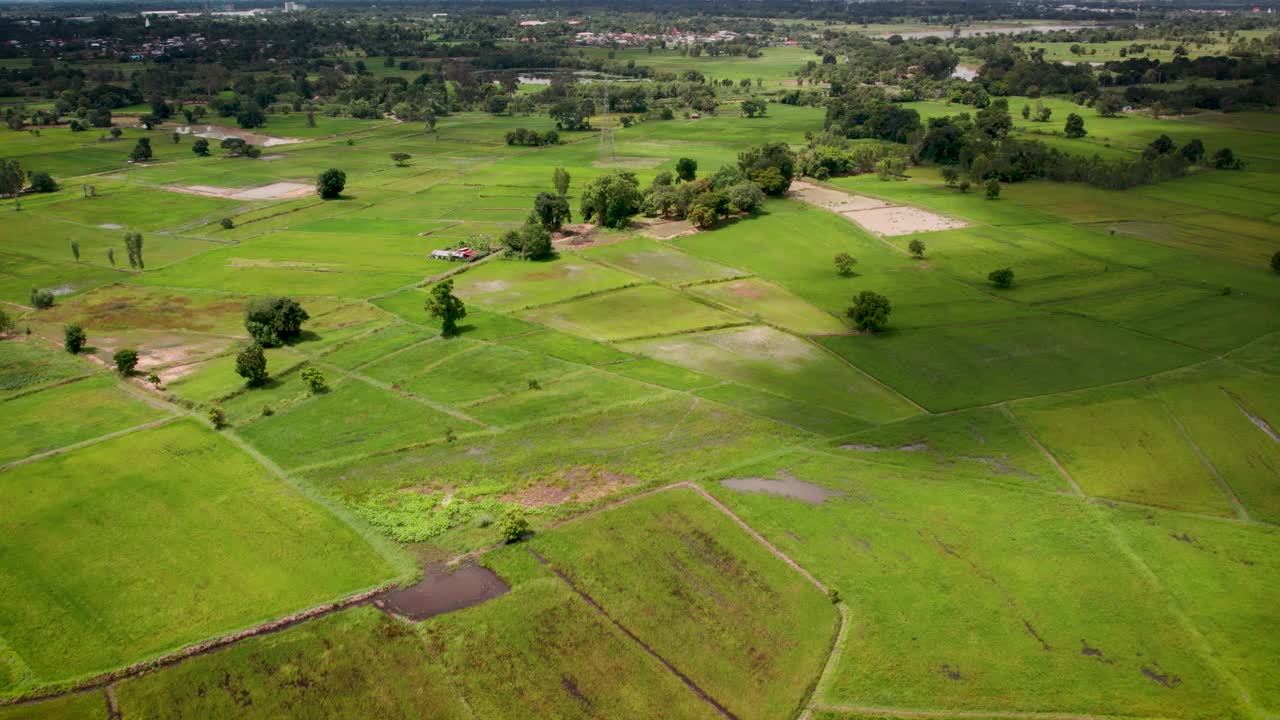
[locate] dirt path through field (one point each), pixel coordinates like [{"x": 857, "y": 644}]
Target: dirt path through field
[{"x": 634, "y": 638}]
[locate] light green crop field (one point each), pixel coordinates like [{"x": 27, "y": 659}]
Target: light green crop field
[
  {"x": 1056, "y": 499},
  {"x": 240, "y": 548}
]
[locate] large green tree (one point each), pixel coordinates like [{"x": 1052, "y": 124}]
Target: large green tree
[
  {"x": 271, "y": 321},
  {"x": 869, "y": 311},
  {"x": 331, "y": 183},
  {"x": 551, "y": 210},
  {"x": 444, "y": 306},
  {"x": 251, "y": 364},
  {"x": 611, "y": 200}
]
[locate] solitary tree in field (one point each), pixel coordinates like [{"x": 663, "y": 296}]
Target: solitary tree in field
[
  {"x": 271, "y": 321},
  {"x": 41, "y": 299},
  {"x": 869, "y": 311},
  {"x": 1074, "y": 127},
  {"x": 200, "y": 147},
  {"x": 126, "y": 360},
  {"x": 314, "y": 378},
  {"x": 445, "y": 307},
  {"x": 551, "y": 211},
  {"x": 844, "y": 263},
  {"x": 133, "y": 246},
  {"x": 75, "y": 249},
  {"x": 400, "y": 158},
  {"x": 993, "y": 189},
  {"x": 1275, "y": 261},
  {"x": 111, "y": 256},
  {"x": 73, "y": 338},
  {"x": 1001, "y": 278},
  {"x": 917, "y": 249},
  {"x": 141, "y": 151},
  {"x": 686, "y": 169},
  {"x": 251, "y": 364},
  {"x": 560, "y": 179},
  {"x": 331, "y": 183}
]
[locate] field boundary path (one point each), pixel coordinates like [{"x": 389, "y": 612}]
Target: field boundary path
[{"x": 702, "y": 694}]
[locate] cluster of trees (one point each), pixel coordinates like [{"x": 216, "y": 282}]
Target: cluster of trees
[
  {"x": 273, "y": 321},
  {"x": 980, "y": 147},
  {"x": 830, "y": 154},
  {"x": 13, "y": 180},
  {"x": 524, "y": 136},
  {"x": 702, "y": 201}
]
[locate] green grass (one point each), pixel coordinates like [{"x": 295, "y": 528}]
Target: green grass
[
  {"x": 636, "y": 312},
  {"x": 1124, "y": 443},
  {"x": 756, "y": 298},
  {"x": 968, "y": 597},
  {"x": 216, "y": 379},
  {"x": 72, "y": 707},
  {"x": 512, "y": 285},
  {"x": 659, "y": 262},
  {"x": 239, "y": 547},
  {"x": 1002, "y": 361},
  {"x": 355, "y": 663},
  {"x": 32, "y": 423},
  {"x": 748, "y": 629},
  {"x": 542, "y": 651},
  {"x": 28, "y": 363},
  {"x": 773, "y": 361},
  {"x": 1217, "y": 574},
  {"x": 353, "y": 418}
]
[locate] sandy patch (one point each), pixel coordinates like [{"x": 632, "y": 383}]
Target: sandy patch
[
  {"x": 220, "y": 132},
  {"x": 490, "y": 286},
  {"x": 272, "y": 191},
  {"x": 111, "y": 226},
  {"x": 902, "y": 220},
  {"x": 834, "y": 200},
  {"x": 668, "y": 229},
  {"x": 875, "y": 215}
]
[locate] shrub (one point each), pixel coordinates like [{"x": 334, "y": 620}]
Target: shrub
[
  {"x": 41, "y": 299},
  {"x": 844, "y": 263},
  {"x": 251, "y": 364},
  {"x": 331, "y": 183},
  {"x": 314, "y": 378},
  {"x": 513, "y": 525},
  {"x": 917, "y": 248},
  {"x": 1275, "y": 261},
  {"x": 7, "y": 322},
  {"x": 227, "y": 223},
  {"x": 126, "y": 360},
  {"x": 73, "y": 338},
  {"x": 217, "y": 417},
  {"x": 993, "y": 189},
  {"x": 1001, "y": 277},
  {"x": 41, "y": 182}
]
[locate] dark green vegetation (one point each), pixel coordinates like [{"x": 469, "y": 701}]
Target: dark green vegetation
[{"x": 1052, "y": 488}]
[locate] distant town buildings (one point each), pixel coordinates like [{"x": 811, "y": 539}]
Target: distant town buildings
[{"x": 673, "y": 37}]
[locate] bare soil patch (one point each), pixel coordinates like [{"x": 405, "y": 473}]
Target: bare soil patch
[
  {"x": 272, "y": 191},
  {"x": 443, "y": 590},
  {"x": 833, "y": 200},
  {"x": 786, "y": 486},
  {"x": 668, "y": 229},
  {"x": 578, "y": 484},
  {"x": 902, "y": 220},
  {"x": 221, "y": 132},
  {"x": 861, "y": 447},
  {"x": 875, "y": 215}
]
